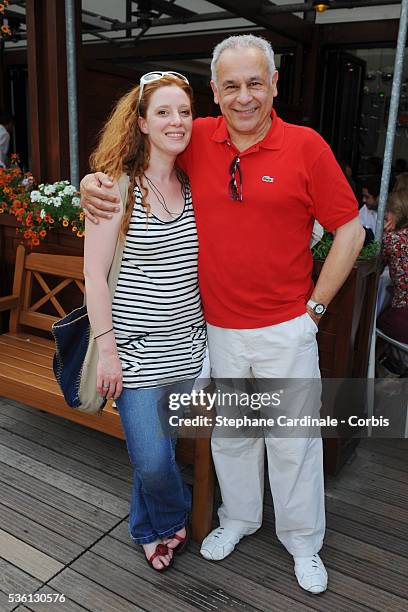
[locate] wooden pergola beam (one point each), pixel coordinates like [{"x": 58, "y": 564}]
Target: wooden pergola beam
[
  {"x": 256, "y": 11},
  {"x": 359, "y": 33},
  {"x": 168, "y": 47}
]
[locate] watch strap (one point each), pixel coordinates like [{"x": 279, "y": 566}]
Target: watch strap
[{"x": 318, "y": 308}]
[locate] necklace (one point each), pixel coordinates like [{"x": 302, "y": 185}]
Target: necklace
[{"x": 160, "y": 197}]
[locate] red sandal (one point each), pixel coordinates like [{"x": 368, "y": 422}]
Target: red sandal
[
  {"x": 182, "y": 542},
  {"x": 160, "y": 551}
]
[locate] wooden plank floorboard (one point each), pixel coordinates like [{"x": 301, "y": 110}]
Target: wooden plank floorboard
[
  {"x": 369, "y": 534},
  {"x": 369, "y": 552},
  {"x": 74, "y": 486},
  {"x": 28, "y": 559},
  {"x": 397, "y": 451},
  {"x": 52, "y": 518},
  {"x": 38, "y": 490},
  {"x": 128, "y": 585},
  {"x": 394, "y": 491},
  {"x": 203, "y": 594},
  {"x": 89, "y": 594},
  {"x": 393, "y": 473},
  {"x": 376, "y": 499},
  {"x": 5, "y": 605},
  {"x": 237, "y": 572},
  {"x": 378, "y": 443},
  {"x": 87, "y": 474},
  {"x": 346, "y": 586},
  {"x": 376, "y": 457},
  {"x": 38, "y": 420},
  {"x": 352, "y": 545},
  {"x": 356, "y": 494},
  {"x": 64, "y": 493},
  {"x": 14, "y": 580},
  {"x": 39, "y": 537},
  {"x": 386, "y": 524},
  {"x": 349, "y": 561},
  {"x": 67, "y": 606},
  {"x": 67, "y": 448},
  {"x": 92, "y": 433}
]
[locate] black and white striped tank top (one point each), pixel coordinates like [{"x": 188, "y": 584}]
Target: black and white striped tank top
[{"x": 156, "y": 311}]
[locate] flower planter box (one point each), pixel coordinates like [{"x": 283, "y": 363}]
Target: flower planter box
[
  {"x": 344, "y": 343},
  {"x": 58, "y": 241}
]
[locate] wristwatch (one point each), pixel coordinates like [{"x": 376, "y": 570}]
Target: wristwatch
[{"x": 318, "y": 309}]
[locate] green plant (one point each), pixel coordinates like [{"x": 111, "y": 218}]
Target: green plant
[{"x": 322, "y": 248}]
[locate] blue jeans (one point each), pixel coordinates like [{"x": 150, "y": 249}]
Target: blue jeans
[{"x": 161, "y": 500}]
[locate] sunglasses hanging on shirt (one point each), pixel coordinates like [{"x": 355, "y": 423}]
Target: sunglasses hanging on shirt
[{"x": 235, "y": 184}]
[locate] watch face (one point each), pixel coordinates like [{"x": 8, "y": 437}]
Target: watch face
[{"x": 319, "y": 309}]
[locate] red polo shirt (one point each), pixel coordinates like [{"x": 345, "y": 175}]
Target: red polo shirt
[{"x": 255, "y": 263}]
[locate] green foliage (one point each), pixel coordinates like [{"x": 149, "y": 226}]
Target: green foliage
[{"x": 322, "y": 248}]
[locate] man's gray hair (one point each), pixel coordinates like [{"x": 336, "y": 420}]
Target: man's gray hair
[{"x": 243, "y": 41}]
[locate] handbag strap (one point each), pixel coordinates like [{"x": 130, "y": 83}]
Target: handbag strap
[{"x": 113, "y": 275}]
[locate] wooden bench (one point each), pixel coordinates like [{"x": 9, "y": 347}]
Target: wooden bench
[{"x": 26, "y": 353}]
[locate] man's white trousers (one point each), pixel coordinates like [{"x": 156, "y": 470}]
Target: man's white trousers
[{"x": 295, "y": 464}]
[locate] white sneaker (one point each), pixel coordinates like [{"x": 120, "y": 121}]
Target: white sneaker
[
  {"x": 311, "y": 573},
  {"x": 219, "y": 544}
]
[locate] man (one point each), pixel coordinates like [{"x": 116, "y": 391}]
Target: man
[
  {"x": 258, "y": 184},
  {"x": 6, "y": 128},
  {"x": 368, "y": 212}
]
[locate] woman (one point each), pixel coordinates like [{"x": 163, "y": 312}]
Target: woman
[
  {"x": 394, "y": 320},
  {"x": 401, "y": 182},
  {"x": 151, "y": 340}
]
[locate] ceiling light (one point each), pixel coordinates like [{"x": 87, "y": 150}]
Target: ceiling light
[{"x": 321, "y": 5}]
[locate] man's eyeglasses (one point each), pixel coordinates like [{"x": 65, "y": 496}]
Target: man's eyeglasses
[
  {"x": 150, "y": 77},
  {"x": 235, "y": 184}
]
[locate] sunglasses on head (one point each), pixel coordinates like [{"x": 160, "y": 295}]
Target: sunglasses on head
[{"x": 156, "y": 75}]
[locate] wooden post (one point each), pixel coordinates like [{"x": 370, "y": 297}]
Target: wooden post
[
  {"x": 3, "y": 69},
  {"x": 310, "y": 80},
  {"x": 47, "y": 86}
]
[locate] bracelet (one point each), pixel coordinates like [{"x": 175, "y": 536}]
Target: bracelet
[{"x": 107, "y": 332}]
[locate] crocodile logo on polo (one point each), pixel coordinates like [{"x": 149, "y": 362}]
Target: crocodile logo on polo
[{"x": 268, "y": 179}]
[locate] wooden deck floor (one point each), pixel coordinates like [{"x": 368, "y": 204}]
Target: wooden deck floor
[{"x": 64, "y": 494}]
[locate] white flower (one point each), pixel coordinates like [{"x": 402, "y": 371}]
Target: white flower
[
  {"x": 49, "y": 189},
  {"x": 76, "y": 201},
  {"x": 69, "y": 190},
  {"x": 42, "y": 213},
  {"x": 57, "y": 202},
  {"x": 43, "y": 199},
  {"x": 35, "y": 196},
  {"x": 41, "y": 186}
]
